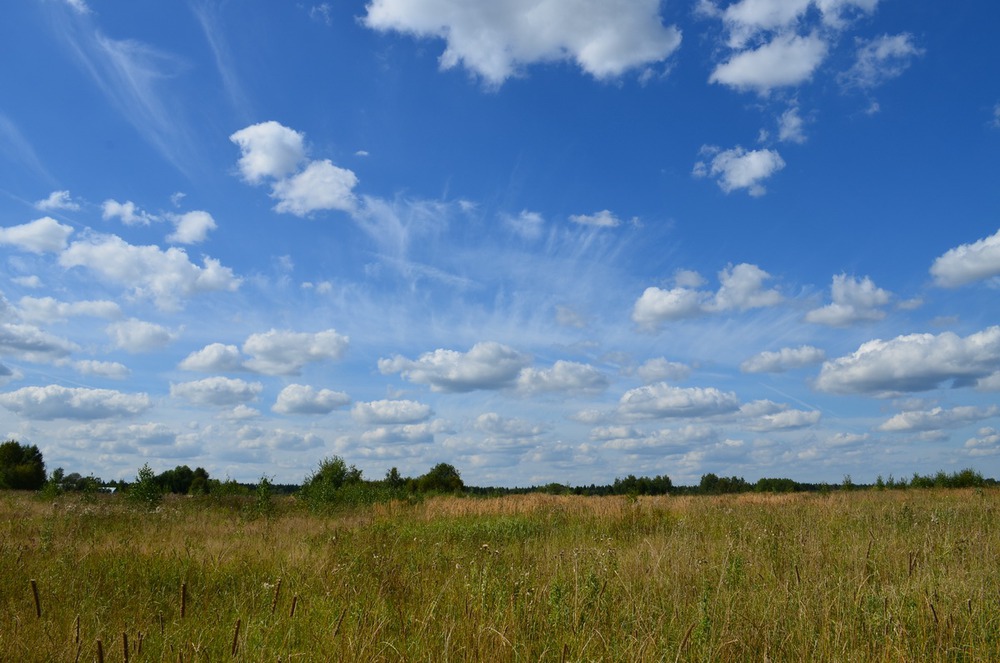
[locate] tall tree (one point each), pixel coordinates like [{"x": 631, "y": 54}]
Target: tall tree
[{"x": 21, "y": 466}]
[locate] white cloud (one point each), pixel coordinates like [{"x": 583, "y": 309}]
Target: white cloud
[
  {"x": 738, "y": 168},
  {"x": 44, "y": 235},
  {"x": 217, "y": 391},
  {"x": 742, "y": 287},
  {"x": 57, "y": 402},
  {"x": 57, "y": 200},
  {"x": 166, "y": 276},
  {"x": 303, "y": 399},
  {"x": 783, "y": 360},
  {"x": 602, "y": 219},
  {"x": 661, "y": 400},
  {"x": 409, "y": 434},
  {"x": 787, "y": 60},
  {"x": 496, "y": 425},
  {"x": 527, "y": 224},
  {"x": 915, "y": 362},
  {"x": 488, "y": 365},
  {"x": 495, "y": 40},
  {"x": 214, "y": 358},
  {"x": 391, "y": 412},
  {"x": 989, "y": 383},
  {"x": 139, "y": 336},
  {"x": 127, "y": 212},
  {"x": 656, "y": 305},
  {"x": 986, "y": 444},
  {"x": 567, "y": 317},
  {"x": 320, "y": 186},
  {"x": 103, "y": 369},
  {"x": 791, "y": 127},
  {"x": 47, "y": 309},
  {"x": 854, "y": 300},
  {"x": 28, "y": 281},
  {"x": 881, "y": 59},
  {"x": 563, "y": 376},
  {"x": 30, "y": 343},
  {"x": 191, "y": 227},
  {"x": 269, "y": 150},
  {"x": 937, "y": 418},
  {"x": 286, "y": 352},
  {"x": 660, "y": 369},
  {"x": 767, "y": 416},
  {"x": 968, "y": 262},
  {"x": 79, "y": 6}
]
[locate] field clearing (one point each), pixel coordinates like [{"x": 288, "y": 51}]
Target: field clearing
[{"x": 908, "y": 575}]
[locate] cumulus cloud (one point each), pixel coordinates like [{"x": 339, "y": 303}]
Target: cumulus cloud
[
  {"x": 787, "y": 60},
  {"x": 320, "y": 186},
  {"x": 139, "y": 336},
  {"x": 783, "y": 360},
  {"x": 303, "y": 399},
  {"x": 217, "y": 391},
  {"x": 148, "y": 271},
  {"x": 967, "y": 263},
  {"x": 214, "y": 358},
  {"x": 879, "y": 60},
  {"x": 409, "y": 434},
  {"x": 911, "y": 363},
  {"x": 660, "y": 369},
  {"x": 191, "y": 227},
  {"x": 741, "y": 288},
  {"x": 44, "y": 235},
  {"x": 986, "y": 443},
  {"x": 127, "y": 212},
  {"x": 563, "y": 376},
  {"x": 602, "y": 219},
  {"x": 854, "y": 300},
  {"x": 269, "y": 150},
  {"x": 661, "y": 400},
  {"x": 937, "y": 418},
  {"x": 738, "y": 168},
  {"x": 391, "y": 412},
  {"x": 57, "y": 402},
  {"x": 57, "y": 200},
  {"x": 29, "y": 343},
  {"x": 47, "y": 309},
  {"x": 287, "y": 352},
  {"x": 498, "y": 426},
  {"x": 496, "y": 40},
  {"x": 767, "y": 416},
  {"x": 487, "y": 365},
  {"x": 102, "y": 369}
]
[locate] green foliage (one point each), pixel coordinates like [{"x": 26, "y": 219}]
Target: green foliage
[
  {"x": 21, "y": 466},
  {"x": 145, "y": 491},
  {"x": 442, "y": 478},
  {"x": 631, "y": 485},
  {"x": 329, "y": 483},
  {"x": 715, "y": 485}
]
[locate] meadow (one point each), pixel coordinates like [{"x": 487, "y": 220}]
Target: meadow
[{"x": 910, "y": 575}]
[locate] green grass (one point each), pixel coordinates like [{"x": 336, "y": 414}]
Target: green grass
[{"x": 858, "y": 576}]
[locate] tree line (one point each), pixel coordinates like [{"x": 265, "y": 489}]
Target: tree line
[{"x": 22, "y": 467}]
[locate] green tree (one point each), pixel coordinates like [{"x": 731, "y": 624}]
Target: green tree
[
  {"x": 329, "y": 478},
  {"x": 442, "y": 478},
  {"x": 21, "y": 466},
  {"x": 146, "y": 489}
]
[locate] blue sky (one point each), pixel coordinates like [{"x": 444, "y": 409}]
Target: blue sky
[{"x": 544, "y": 241}]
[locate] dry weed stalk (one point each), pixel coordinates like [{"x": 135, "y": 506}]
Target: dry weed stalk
[{"x": 34, "y": 593}]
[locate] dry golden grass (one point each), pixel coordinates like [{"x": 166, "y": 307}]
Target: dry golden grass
[{"x": 861, "y": 576}]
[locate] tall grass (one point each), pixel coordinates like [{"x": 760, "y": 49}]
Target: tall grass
[{"x": 859, "y": 576}]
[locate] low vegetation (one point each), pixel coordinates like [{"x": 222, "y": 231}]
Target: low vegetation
[{"x": 845, "y": 575}]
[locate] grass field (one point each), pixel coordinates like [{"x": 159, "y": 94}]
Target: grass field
[{"x": 849, "y": 576}]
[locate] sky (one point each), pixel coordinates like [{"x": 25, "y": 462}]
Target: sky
[{"x": 541, "y": 240}]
